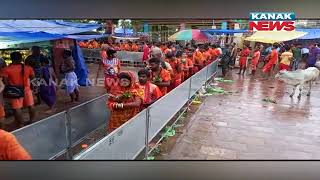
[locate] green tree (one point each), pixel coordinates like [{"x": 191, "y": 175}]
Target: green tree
[
  {"x": 137, "y": 26},
  {"x": 125, "y": 23}
]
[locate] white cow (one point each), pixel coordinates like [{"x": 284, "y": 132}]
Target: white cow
[{"x": 299, "y": 78}]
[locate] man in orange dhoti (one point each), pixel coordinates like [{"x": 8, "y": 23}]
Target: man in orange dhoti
[
  {"x": 273, "y": 60},
  {"x": 244, "y": 54},
  {"x": 255, "y": 60}
]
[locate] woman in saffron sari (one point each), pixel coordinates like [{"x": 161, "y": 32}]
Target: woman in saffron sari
[{"x": 124, "y": 100}]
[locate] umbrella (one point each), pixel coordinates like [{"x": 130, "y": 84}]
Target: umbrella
[
  {"x": 275, "y": 36},
  {"x": 190, "y": 34}
]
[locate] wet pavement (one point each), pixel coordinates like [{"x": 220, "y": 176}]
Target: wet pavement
[{"x": 240, "y": 125}]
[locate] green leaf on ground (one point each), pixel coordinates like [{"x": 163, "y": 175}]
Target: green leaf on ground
[
  {"x": 218, "y": 79},
  {"x": 169, "y": 132},
  {"x": 228, "y": 81},
  {"x": 157, "y": 150},
  {"x": 178, "y": 125},
  {"x": 196, "y": 102},
  {"x": 197, "y": 98},
  {"x": 223, "y": 80},
  {"x": 211, "y": 90},
  {"x": 150, "y": 158},
  {"x": 209, "y": 94},
  {"x": 270, "y": 100}
]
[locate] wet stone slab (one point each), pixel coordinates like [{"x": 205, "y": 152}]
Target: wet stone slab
[{"x": 242, "y": 126}]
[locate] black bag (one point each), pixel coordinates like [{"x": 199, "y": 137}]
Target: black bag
[{"x": 15, "y": 92}]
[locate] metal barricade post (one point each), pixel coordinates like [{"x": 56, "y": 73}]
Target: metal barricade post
[
  {"x": 68, "y": 135},
  {"x": 207, "y": 72},
  {"x": 189, "y": 89},
  {"x": 147, "y": 132}
]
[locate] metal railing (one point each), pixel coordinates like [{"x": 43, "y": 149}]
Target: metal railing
[
  {"x": 58, "y": 134},
  {"x": 129, "y": 140}
]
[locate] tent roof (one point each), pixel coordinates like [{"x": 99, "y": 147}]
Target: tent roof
[
  {"x": 312, "y": 33},
  {"x": 50, "y": 26},
  {"x": 28, "y": 31},
  {"x": 11, "y": 38},
  {"x": 275, "y": 36}
]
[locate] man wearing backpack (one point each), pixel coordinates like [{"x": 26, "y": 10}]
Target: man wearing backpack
[{"x": 17, "y": 78}]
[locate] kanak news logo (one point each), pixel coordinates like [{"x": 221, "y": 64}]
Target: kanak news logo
[{"x": 270, "y": 21}]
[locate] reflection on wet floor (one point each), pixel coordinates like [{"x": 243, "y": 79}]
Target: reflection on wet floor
[{"x": 242, "y": 126}]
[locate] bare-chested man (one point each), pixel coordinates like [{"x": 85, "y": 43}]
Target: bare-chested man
[{"x": 71, "y": 78}]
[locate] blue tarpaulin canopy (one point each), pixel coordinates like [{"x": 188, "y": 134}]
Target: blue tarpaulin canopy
[
  {"x": 10, "y": 38},
  {"x": 28, "y": 31},
  {"x": 51, "y": 26},
  {"x": 311, "y": 33}
]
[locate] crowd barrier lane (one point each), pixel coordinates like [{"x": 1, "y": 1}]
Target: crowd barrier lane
[
  {"x": 162, "y": 111},
  {"x": 125, "y": 143},
  {"x": 87, "y": 117},
  {"x": 198, "y": 80},
  {"x": 133, "y": 137},
  {"x": 44, "y": 139},
  {"x": 53, "y": 136}
]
